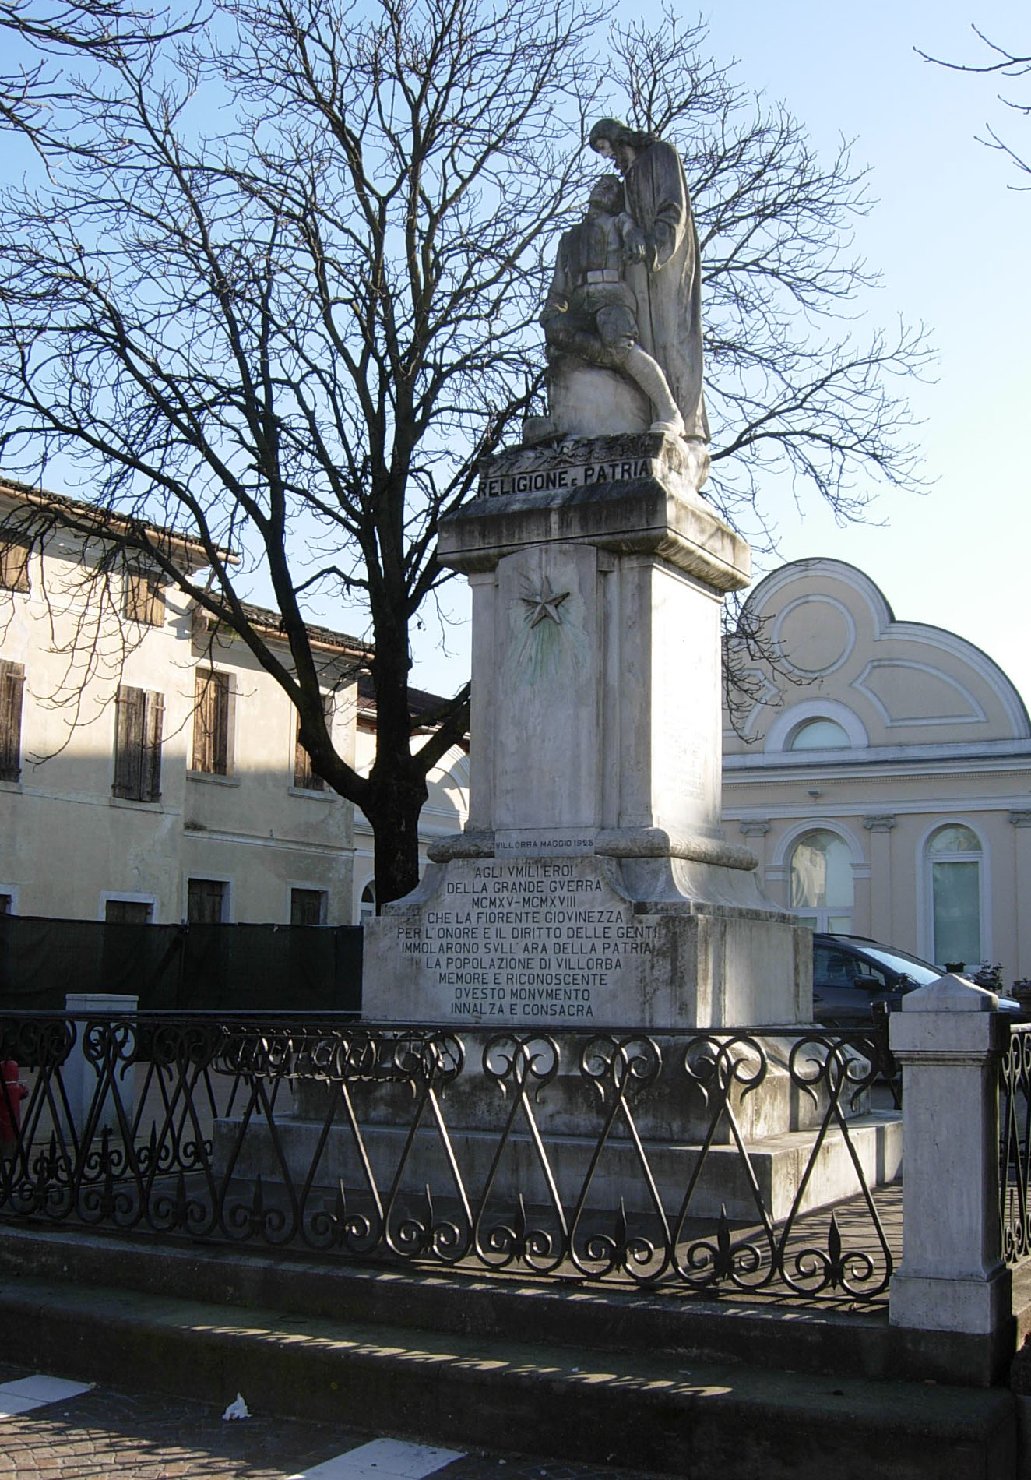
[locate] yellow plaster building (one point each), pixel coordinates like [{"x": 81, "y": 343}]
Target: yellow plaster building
[
  {"x": 882, "y": 774},
  {"x": 149, "y": 768}
]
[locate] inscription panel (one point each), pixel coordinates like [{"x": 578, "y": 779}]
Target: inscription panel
[
  {"x": 556, "y": 841},
  {"x": 528, "y": 939},
  {"x": 573, "y": 475}
]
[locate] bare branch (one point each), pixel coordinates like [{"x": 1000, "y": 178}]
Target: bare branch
[
  {"x": 1001, "y": 63},
  {"x": 277, "y": 289}
]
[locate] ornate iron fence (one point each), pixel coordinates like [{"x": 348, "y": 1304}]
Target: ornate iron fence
[
  {"x": 1015, "y": 1144},
  {"x": 711, "y": 1162}
]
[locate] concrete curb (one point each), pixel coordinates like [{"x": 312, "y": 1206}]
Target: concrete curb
[
  {"x": 665, "y": 1413},
  {"x": 806, "y": 1338}
]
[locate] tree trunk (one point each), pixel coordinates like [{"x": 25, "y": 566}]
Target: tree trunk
[{"x": 393, "y": 809}]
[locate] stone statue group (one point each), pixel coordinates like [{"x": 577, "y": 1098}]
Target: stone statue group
[{"x": 625, "y": 299}]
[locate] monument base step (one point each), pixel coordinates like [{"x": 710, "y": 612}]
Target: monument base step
[
  {"x": 777, "y": 1163},
  {"x": 669, "y": 1409}
]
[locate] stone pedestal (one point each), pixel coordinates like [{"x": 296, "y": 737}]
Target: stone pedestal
[
  {"x": 592, "y": 881},
  {"x": 949, "y": 1038},
  {"x": 583, "y": 397}
]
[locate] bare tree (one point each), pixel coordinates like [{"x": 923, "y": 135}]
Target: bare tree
[
  {"x": 30, "y": 88},
  {"x": 275, "y": 335},
  {"x": 277, "y": 289},
  {"x": 1001, "y": 63}
]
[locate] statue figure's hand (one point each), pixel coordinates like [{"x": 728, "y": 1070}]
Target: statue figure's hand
[
  {"x": 554, "y": 310},
  {"x": 635, "y": 244}
]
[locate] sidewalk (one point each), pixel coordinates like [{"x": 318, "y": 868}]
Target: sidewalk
[
  {"x": 607, "y": 1383},
  {"x": 136, "y": 1436}
]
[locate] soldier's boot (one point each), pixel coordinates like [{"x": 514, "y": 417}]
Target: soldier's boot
[{"x": 648, "y": 374}]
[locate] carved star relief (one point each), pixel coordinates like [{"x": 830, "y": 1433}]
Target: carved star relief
[{"x": 543, "y": 605}]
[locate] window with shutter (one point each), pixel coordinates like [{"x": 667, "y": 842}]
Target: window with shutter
[
  {"x": 12, "y": 682},
  {"x": 139, "y": 717},
  {"x": 305, "y": 778},
  {"x": 308, "y": 906},
  {"x": 206, "y": 901},
  {"x": 144, "y": 599},
  {"x": 128, "y": 912},
  {"x": 14, "y": 566},
  {"x": 211, "y": 723}
]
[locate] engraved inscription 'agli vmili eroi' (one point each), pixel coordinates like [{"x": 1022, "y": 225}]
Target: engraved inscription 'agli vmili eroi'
[{"x": 520, "y": 939}]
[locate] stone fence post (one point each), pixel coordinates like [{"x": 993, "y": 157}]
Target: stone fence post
[
  {"x": 80, "y": 1076},
  {"x": 948, "y": 1038}
]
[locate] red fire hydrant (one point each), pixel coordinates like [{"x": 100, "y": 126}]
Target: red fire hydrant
[{"x": 11, "y": 1095}]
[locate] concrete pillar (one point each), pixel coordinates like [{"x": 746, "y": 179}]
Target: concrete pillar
[
  {"x": 79, "y": 1074},
  {"x": 949, "y": 1037}
]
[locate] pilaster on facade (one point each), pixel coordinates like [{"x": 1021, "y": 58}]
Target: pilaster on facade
[
  {"x": 756, "y": 830},
  {"x": 882, "y": 922},
  {"x": 1020, "y": 890}
]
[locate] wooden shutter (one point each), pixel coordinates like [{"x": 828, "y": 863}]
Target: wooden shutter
[
  {"x": 305, "y": 778},
  {"x": 205, "y": 901},
  {"x": 144, "y": 598},
  {"x": 201, "y": 727},
  {"x": 138, "y": 724},
  {"x": 307, "y": 906},
  {"x": 220, "y": 729},
  {"x": 211, "y": 723},
  {"x": 12, "y": 682},
  {"x": 14, "y": 566},
  {"x": 130, "y": 706},
  {"x": 128, "y": 912},
  {"x": 154, "y": 720}
]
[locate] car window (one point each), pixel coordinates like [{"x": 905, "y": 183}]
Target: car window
[
  {"x": 833, "y": 967},
  {"x": 918, "y": 971},
  {"x": 868, "y": 973}
]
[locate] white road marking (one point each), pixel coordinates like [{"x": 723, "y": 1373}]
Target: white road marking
[
  {"x": 32, "y": 1392},
  {"x": 383, "y": 1459}
]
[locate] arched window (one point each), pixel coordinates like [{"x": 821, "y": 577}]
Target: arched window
[
  {"x": 953, "y": 864},
  {"x": 819, "y": 734},
  {"x": 821, "y": 881},
  {"x": 367, "y": 908}
]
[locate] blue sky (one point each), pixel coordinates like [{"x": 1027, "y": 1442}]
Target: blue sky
[{"x": 949, "y": 237}]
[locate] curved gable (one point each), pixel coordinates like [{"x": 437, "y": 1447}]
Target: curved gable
[{"x": 836, "y": 642}]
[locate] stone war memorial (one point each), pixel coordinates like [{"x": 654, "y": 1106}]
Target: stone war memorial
[
  {"x": 592, "y": 887},
  {"x": 592, "y": 884}
]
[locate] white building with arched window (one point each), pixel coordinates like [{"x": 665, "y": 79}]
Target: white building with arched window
[{"x": 882, "y": 773}]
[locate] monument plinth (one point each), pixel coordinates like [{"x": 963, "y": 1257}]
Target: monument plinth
[{"x": 592, "y": 881}]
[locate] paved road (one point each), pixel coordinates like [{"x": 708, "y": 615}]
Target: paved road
[{"x": 69, "y": 1431}]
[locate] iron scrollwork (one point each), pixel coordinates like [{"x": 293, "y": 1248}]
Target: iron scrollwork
[
  {"x": 1015, "y": 1145},
  {"x": 571, "y": 1154}
]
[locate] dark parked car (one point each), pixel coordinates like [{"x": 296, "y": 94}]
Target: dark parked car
[{"x": 855, "y": 979}]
